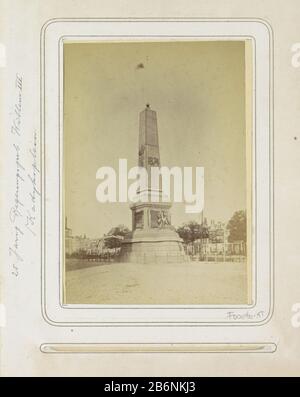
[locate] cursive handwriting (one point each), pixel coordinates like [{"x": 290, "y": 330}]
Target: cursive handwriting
[
  {"x": 33, "y": 178},
  {"x": 17, "y": 111},
  {"x": 16, "y": 212},
  {"x": 245, "y": 316},
  {"x": 23, "y": 212}
]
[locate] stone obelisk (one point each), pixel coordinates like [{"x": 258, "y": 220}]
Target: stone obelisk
[{"x": 153, "y": 238}]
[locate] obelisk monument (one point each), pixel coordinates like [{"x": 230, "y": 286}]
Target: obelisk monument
[{"x": 153, "y": 238}]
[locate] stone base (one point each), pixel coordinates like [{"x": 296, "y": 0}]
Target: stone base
[{"x": 164, "y": 246}]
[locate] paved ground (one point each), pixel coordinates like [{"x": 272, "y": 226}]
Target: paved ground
[{"x": 186, "y": 283}]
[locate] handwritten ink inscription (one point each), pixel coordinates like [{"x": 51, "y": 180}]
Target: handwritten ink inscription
[
  {"x": 236, "y": 316},
  {"x": 33, "y": 177},
  {"x": 23, "y": 211}
]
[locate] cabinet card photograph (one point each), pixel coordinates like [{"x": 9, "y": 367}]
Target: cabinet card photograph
[{"x": 157, "y": 184}]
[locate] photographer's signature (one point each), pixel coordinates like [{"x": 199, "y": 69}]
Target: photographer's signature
[{"x": 237, "y": 316}]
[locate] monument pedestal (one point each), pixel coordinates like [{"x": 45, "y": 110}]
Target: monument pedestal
[{"x": 152, "y": 241}]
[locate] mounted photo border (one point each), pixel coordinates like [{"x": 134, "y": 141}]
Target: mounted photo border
[{"x": 53, "y": 35}]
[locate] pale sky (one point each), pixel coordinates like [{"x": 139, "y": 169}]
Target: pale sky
[{"x": 198, "y": 92}]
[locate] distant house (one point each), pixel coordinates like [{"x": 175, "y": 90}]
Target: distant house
[
  {"x": 74, "y": 243},
  {"x": 68, "y": 239},
  {"x": 217, "y": 243}
]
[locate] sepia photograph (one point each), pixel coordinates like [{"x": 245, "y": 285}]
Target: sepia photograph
[{"x": 157, "y": 172}]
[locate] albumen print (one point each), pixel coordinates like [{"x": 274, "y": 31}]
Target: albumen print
[{"x": 157, "y": 172}]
